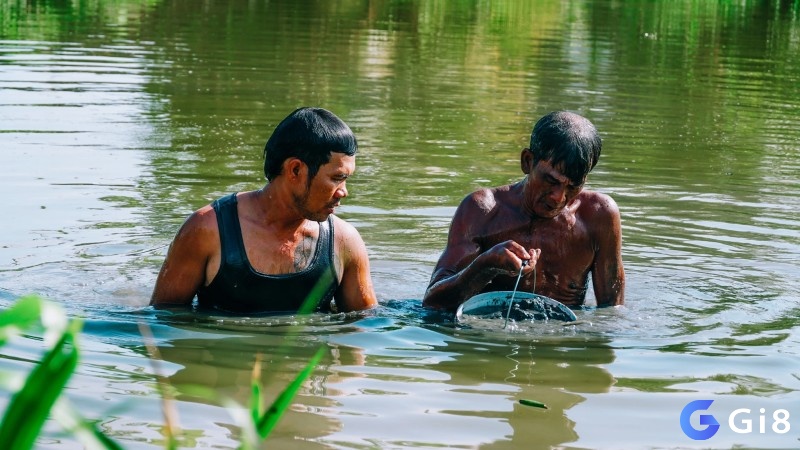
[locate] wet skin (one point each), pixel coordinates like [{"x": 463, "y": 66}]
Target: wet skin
[
  {"x": 566, "y": 233},
  {"x": 279, "y": 225}
]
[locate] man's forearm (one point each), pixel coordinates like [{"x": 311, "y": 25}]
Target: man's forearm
[
  {"x": 451, "y": 290},
  {"x": 612, "y": 293}
]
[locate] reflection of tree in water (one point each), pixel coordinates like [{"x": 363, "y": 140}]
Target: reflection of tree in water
[{"x": 554, "y": 372}]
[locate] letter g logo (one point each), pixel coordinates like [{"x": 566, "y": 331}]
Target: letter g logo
[{"x": 705, "y": 419}]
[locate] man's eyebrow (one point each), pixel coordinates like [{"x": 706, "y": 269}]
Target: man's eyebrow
[{"x": 557, "y": 177}]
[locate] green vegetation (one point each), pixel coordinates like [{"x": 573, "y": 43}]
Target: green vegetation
[{"x": 39, "y": 395}]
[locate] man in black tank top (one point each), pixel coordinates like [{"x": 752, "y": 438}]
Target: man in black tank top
[{"x": 278, "y": 249}]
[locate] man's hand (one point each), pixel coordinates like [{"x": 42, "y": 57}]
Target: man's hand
[{"x": 506, "y": 258}]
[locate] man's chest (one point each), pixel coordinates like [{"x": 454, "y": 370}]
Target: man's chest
[
  {"x": 559, "y": 242},
  {"x": 276, "y": 254}
]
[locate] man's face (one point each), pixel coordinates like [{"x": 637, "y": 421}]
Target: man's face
[
  {"x": 550, "y": 191},
  {"x": 328, "y": 187}
]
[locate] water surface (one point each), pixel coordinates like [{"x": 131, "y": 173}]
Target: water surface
[{"x": 117, "y": 119}]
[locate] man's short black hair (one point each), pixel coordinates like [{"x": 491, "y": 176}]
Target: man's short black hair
[
  {"x": 569, "y": 142},
  {"x": 310, "y": 135}
]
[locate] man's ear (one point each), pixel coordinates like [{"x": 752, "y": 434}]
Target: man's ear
[
  {"x": 526, "y": 161},
  {"x": 295, "y": 169}
]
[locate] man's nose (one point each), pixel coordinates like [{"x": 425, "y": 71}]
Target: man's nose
[
  {"x": 558, "y": 194},
  {"x": 342, "y": 191}
]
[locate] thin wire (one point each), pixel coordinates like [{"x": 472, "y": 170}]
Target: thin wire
[{"x": 513, "y": 294}]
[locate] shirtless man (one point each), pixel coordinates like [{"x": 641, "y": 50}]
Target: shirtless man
[
  {"x": 279, "y": 249},
  {"x": 547, "y": 219}
]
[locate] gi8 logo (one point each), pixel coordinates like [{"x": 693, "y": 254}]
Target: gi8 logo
[{"x": 705, "y": 419}]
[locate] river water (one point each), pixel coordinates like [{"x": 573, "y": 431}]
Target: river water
[{"x": 117, "y": 119}]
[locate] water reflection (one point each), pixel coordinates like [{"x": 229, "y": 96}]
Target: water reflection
[
  {"x": 117, "y": 119},
  {"x": 445, "y": 386},
  {"x": 225, "y": 365},
  {"x": 555, "y": 373},
  {"x": 463, "y": 390}
]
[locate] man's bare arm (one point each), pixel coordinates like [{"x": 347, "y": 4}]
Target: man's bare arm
[
  {"x": 184, "y": 269},
  {"x": 355, "y": 291},
  {"x": 462, "y": 270},
  {"x": 608, "y": 274},
  {"x": 449, "y": 286}
]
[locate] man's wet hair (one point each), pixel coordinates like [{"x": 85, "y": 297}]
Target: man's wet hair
[
  {"x": 310, "y": 135},
  {"x": 569, "y": 142}
]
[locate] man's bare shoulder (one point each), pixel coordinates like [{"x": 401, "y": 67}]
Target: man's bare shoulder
[
  {"x": 200, "y": 228},
  {"x": 345, "y": 234},
  {"x": 479, "y": 211},
  {"x": 597, "y": 206},
  {"x": 484, "y": 201},
  {"x": 341, "y": 226},
  {"x": 349, "y": 247},
  {"x": 203, "y": 218}
]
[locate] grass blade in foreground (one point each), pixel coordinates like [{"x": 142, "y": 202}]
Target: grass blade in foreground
[
  {"x": 270, "y": 418},
  {"x": 30, "y": 407},
  {"x": 256, "y": 403},
  {"x": 21, "y": 315},
  {"x": 40, "y": 395},
  {"x": 313, "y": 298}
]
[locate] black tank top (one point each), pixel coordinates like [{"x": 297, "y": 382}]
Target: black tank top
[{"x": 239, "y": 288}]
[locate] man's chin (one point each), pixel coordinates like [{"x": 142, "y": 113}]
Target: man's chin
[
  {"x": 549, "y": 213},
  {"x": 319, "y": 217}
]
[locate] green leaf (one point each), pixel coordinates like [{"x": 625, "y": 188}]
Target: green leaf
[
  {"x": 30, "y": 407},
  {"x": 23, "y": 314},
  {"x": 279, "y": 406},
  {"x": 256, "y": 404}
]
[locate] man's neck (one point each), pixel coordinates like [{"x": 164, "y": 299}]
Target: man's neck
[{"x": 273, "y": 207}]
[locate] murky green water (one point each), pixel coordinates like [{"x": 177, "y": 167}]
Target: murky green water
[{"x": 117, "y": 119}]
